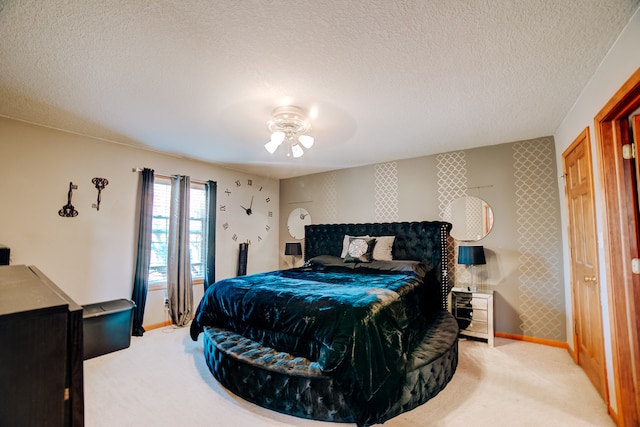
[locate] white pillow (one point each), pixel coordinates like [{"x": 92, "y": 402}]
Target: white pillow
[
  {"x": 345, "y": 244},
  {"x": 383, "y": 247}
]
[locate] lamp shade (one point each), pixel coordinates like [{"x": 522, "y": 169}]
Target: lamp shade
[
  {"x": 277, "y": 137},
  {"x": 292, "y": 249},
  {"x": 306, "y": 140},
  {"x": 296, "y": 150},
  {"x": 471, "y": 255}
]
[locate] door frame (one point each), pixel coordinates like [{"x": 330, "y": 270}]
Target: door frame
[{"x": 620, "y": 231}]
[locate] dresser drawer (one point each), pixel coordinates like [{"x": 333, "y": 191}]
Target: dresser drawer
[
  {"x": 462, "y": 299},
  {"x": 479, "y": 303},
  {"x": 479, "y": 315},
  {"x": 465, "y": 313},
  {"x": 477, "y": 326}
]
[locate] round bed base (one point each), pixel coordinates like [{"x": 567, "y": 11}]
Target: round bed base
[{"x": 296, "y": 386}]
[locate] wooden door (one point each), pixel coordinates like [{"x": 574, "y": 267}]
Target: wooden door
[
  {"x": 588, "y": 336},
  {"x": 635, "y": 134},
  {"x": 635, "y": 295},
  {"x": 621, "y": 245}
]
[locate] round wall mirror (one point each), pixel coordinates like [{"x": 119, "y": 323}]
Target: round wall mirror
[{"x": 471, "y": 217}]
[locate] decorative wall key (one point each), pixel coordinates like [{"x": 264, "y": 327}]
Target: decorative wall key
[
  {"x": 68, "y": 211},
  {"x": 100, "y": 183}
]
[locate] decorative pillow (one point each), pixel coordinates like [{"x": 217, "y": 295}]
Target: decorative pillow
[
  {"x": 360, "y": 249},
  {"x": 345, "y": 244},
  {"x": 382, "y": 249}
]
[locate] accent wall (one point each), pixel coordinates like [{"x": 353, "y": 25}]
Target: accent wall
[{"x": 518, "y": 181}]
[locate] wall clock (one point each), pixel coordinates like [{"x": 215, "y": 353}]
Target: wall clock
[
  {"x": 245, "y": 210},
  {"x": 298, "y": 218}
]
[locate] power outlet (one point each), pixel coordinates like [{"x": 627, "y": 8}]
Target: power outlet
[{"x": 166, "y": 303}]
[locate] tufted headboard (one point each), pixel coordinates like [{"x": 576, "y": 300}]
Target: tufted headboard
[{"x": 425, "y": 241}]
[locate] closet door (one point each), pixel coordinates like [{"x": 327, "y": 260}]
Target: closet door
[{"x": 588, "y": 334}]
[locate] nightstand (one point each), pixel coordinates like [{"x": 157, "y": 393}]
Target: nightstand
[{"x": 474, "y": 313}]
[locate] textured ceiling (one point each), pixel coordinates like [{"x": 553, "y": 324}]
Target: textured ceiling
[{"x": 389, "y": 79}]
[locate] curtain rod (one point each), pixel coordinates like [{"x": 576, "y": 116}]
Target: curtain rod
[{"x": 169, "y": 175}]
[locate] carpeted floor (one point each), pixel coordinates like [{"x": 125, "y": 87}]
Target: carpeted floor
[{"x": 162, "y": 380}]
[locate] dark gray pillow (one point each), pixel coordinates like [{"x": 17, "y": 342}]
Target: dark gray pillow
[
  {"x": 322, "y": 262},
  {"x": 399, "y": 265}
]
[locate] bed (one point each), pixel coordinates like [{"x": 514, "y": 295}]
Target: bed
[{"x": 356, "y": 335}]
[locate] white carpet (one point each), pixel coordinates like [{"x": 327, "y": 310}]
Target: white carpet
[{"x": 162, "y": 380}]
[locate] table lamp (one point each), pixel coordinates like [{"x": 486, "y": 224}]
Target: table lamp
[
  {"x": 294, "y": 249},
  {"x": 471, "y": 256}
]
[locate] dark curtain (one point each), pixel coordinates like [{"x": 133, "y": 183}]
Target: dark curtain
[
  {"x": 143, "y": 257},
  {"x": 179, "y": 282},
  {"x": 211, "y": 188}
]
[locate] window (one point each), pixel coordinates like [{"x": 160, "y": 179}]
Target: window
[{"x": 160, "y": 231}]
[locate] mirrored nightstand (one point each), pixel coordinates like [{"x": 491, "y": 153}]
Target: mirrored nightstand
[{"x": 474, "y": 313}]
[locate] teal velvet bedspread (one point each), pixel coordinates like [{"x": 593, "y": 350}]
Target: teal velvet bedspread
[{"x": 358, "y": 325}]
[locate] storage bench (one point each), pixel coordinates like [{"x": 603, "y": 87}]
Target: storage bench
[{"x": 107, "y": 327}]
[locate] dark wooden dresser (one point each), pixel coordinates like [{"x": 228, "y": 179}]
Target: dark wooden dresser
[{"x": 41, "y": 375}]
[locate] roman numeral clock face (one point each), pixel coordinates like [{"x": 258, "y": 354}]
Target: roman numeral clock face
[{"x": 245, "y": 210}]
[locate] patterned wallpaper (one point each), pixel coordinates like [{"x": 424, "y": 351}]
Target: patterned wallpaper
[
  {"x": 329, "y": 203},
  {"x": 452, "y": 180},
  {"x": 386, "y": 192},
  {"x": 540, "y": 268},
  {"x": 452, "y": 184}
]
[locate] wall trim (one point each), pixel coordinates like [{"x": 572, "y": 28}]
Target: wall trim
[
  {"x": 535, "y": 340},
  {"x": 157, "y": 325}
]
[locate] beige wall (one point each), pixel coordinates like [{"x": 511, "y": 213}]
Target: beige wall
[
  {"x": 619, "y": 64},
  {"x": 519, "y": 182},
  {"x": 91, "y": 256}
]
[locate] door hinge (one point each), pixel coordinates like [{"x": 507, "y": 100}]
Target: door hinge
[
  {"x": 66, "y": 393},
  {"x": 629, "y": 151}
]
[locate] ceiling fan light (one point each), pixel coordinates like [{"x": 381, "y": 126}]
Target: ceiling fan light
[
  {"x": 296, "y": 150},
  {"x": 271, "y": 146},
  {"x": 306, "y": 140},
  {"x": 277, "y": 138},
  {"x": 288, "y": 123}
]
